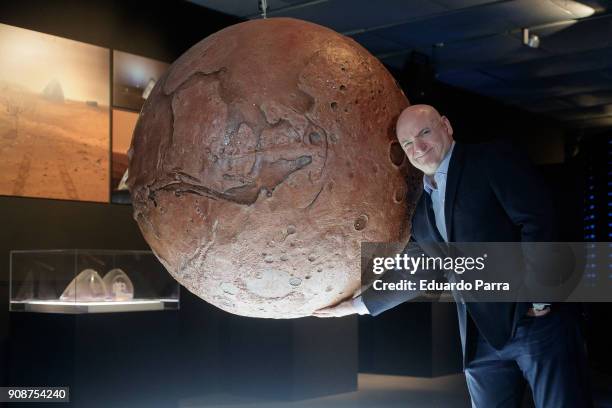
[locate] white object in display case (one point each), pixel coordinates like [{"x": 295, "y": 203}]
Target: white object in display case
[
  {"x": 74, "y": 281},
  {"x": 118, "y": 285},
  {"x": 86, "y": 286}
]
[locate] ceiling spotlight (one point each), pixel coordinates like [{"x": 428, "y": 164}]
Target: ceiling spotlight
[
  {"x": 534, "y": 41},
  {"x": 530, "y": 40}
]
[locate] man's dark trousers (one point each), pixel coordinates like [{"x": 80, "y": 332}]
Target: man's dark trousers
[{"x": 547, "y": 351}]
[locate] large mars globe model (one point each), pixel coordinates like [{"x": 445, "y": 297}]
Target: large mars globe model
[{"x": 262, "y": 160}]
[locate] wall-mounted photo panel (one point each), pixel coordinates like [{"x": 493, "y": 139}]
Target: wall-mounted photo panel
[
  {"x": 124, "y": 123},
  {"x": 54, "y": 117},
  {"x": 133, "y": 78}
]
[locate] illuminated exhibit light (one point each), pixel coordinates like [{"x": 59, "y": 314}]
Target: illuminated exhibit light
[
  {"x": 98, "y": 303},
  {"x": 576, "y": 9},
  {"x": 67, "y": 307},
  {"x": 568, "y": 13}
]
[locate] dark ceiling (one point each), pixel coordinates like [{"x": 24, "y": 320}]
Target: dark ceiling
[{"x": 478, "y": 45}]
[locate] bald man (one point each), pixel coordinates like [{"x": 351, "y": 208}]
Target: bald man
[{"x": 487, "y": 193}]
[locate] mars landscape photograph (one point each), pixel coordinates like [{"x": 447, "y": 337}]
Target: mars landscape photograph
[{"x": 54, "y": 117}]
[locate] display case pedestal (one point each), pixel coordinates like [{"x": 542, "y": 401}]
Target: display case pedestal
[
  {"x": 110, "y": 359},
  {"x": 156, "y": 359}
]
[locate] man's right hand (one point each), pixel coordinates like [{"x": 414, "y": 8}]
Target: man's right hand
[{"x": 344, "y": 308}]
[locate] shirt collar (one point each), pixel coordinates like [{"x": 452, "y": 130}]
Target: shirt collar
[{"x": 442, "y": 169}]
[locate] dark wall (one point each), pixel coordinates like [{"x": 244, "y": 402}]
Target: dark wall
[
  {"x": 161, "y": 30},
  {"x": 475, "y": 117}
]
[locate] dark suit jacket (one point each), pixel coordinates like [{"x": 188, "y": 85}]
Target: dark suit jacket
[{"x": 493, "y": 194}]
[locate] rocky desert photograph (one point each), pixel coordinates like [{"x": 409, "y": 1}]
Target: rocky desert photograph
[{"x": 54, "y": 117}]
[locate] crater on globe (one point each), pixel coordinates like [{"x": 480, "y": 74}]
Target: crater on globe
[{"x": 261, "y": 161}]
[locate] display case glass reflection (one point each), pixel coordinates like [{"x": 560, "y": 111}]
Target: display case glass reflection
[{"x": 90, "y": 281}]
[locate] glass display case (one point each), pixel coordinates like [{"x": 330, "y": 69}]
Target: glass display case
[{"x": 77, "y": 281}]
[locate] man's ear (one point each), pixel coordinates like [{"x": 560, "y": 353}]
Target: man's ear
[{"x": 447, "y": 125}]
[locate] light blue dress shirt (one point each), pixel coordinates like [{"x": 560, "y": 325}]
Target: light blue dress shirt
[{"x": 438, "y": 192}]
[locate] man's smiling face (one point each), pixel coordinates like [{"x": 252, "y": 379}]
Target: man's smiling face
[{"x": 425, "y": 137}]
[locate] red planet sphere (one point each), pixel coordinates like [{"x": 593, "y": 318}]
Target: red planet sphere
[{"x": 261, "y": 161}]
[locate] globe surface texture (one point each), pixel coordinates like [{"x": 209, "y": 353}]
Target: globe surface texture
[{"x": 261, "y": 161}]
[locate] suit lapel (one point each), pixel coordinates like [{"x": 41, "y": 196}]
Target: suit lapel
[{"x": 452, "y": 180}]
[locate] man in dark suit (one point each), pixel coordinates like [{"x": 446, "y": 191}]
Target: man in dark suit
[{"x": 487, "y": 193}]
